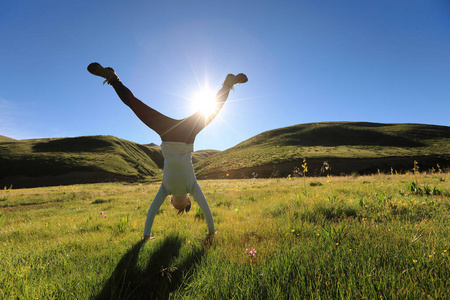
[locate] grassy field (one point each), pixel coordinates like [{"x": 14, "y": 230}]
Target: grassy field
[{"x": 367, "y": 237}]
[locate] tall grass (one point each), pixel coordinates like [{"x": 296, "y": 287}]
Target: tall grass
[{"x": 338, "y": 237}]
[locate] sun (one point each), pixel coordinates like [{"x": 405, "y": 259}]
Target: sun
[{"x": 204, "y": 101}]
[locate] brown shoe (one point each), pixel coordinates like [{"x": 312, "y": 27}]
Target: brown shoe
[
  {"x": 234, "y": 79},
  {"x": 107, "y": 73}
]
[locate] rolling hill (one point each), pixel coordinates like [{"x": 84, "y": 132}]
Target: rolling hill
[
  {"x": 346, "y": 147},
  {"x": 200, "y": 155},
  {"x": 87, "y": 159},
  {"x": 43, "y": 162},
  {"x": 5, "y": 139}
]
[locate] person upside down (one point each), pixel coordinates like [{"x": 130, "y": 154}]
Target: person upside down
[{"x": 177, "y": 138}]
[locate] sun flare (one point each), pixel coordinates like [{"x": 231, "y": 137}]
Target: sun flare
[{"x": 204, "y": 101}]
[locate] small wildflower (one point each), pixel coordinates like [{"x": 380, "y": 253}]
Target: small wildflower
[
  {"x": 337, "y": 244},
  {"x": 414, "y": 260},
  {"x": 293, "y": 230},
  {"x": 101, "y": 213},
  {"x": 305, "y": 167},
  {"x": 318, "y": 234},
  {"x": 430, "y": 256},
  {"x": 251, "y": 252},
  {"x": 350, "y": 249}
]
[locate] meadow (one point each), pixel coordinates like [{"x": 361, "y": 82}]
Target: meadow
[{"x": 383, "y": 236}]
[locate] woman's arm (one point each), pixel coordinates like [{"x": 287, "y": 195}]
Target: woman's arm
[
  {"x": 154, "y": 207},
  {"x": 201, "y": 200}
]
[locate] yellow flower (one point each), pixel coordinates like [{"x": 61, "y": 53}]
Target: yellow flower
[
  {"x": 293, "y": 230},
  {"x": 414, "y": 260}
]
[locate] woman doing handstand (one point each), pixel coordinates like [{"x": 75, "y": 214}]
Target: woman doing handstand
[{"x": 177, "y": 146}]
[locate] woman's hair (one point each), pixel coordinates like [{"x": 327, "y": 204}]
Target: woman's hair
[{"x": 181, "y": 207}]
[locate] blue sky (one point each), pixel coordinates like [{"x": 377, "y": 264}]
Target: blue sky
[{"x": 307, "y": 61}]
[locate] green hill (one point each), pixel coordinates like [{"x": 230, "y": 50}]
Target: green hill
[
  {"x": 200, "y": 155},
  {"x": 346, "y": 146},
  {"x": 6, "y": 139},
  {"x": 42, "y": 162}
]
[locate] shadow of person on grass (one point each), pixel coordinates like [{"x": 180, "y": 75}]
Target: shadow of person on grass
[{"x": 158, "y": 278}]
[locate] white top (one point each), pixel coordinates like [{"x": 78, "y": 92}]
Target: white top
[
  {"x": 178, "y": 176},
  {"x": 178, "y": 180}
]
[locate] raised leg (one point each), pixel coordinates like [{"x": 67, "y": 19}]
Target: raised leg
[
  {"x": 149, "y": 116},
  {"x": 160, "y": 123},
  {"x": 193, "y": 124}
]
